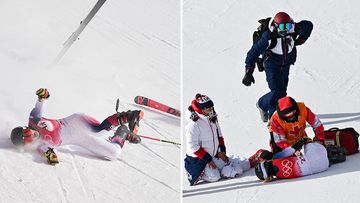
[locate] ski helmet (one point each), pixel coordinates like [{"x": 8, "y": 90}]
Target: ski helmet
[
  {"x": 265, "y": 169},
  {"x": 260, "y": 171},
  {"x": 23, "y": 135},
  {"x": 203, "y": 101},
  {"x": 17, "y": 136},
  {"x": 205, "y": 105},
  {"x": 287, "y": 109},
  {"x": 283, "y": 23}
]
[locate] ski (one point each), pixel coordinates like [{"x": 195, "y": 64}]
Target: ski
[{"x": 156, "y": 105}]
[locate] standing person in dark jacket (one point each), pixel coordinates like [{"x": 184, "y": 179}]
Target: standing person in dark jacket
[{"x": 278, "y": 47}]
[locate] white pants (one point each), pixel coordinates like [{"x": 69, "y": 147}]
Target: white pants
[
  {"x": 76, "y": 131},
  {"x": 316, "y": 156},
  {"x": 313, "y": 160},
  {"x": 236, "y": 166}
]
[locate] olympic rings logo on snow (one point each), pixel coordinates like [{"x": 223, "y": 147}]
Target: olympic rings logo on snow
[{"x": 286, "y": 167}]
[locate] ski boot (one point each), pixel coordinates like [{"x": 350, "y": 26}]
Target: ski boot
[
  {"x": 122, "y": 134},
  {"x": 335, "y": 154},
  {"x": 131, "y": 117},
  {"x": 263, "y": 114},
  {"x": 134, "y": 118},
  {"x": 260, "y": 155}
]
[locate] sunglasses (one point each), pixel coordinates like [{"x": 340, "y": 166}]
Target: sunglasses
[{"x": 285, "y": 26}]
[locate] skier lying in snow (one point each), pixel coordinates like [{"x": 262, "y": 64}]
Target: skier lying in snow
[
  {"x": 287, "y": 137},
  {"x": 77, "y": 129},
  {"x": 206, "y": 157}
]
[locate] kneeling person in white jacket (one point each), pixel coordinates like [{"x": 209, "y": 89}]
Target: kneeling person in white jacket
[{"x": 206, "y": 157}]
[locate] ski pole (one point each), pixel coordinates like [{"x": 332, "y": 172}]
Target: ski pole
[
  {"x": 160, "y": 140},
  {"x": 117, "y": 105}
]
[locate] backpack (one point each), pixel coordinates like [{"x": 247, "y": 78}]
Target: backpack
[
  {"x": 347, "y": 138},
  {"x": 264, "y": 26}
]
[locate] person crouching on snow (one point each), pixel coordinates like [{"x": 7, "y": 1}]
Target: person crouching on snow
[
  {"x": 206, "y": 157},
  {"x": 287, "y": 138},
  {"x": 77, "y": 129}
]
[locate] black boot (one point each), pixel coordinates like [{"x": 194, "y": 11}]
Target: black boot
[
  {"x": 335, "y": 154},
  {"x": 263, "y": 114},
  {"x": 124, "y": 133}
]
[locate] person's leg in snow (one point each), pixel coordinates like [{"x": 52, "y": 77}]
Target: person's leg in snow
[
  {"x": 234, "y": 168},
  {"x": 277, "y": 79},
  {"x": 87, "y": 132},
  {"x": 132, "y": 118}
]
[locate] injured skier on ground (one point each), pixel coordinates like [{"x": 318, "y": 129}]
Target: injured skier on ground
[
  {"x": 206, "y": 157},
  {"x": 312, "y": 159},
  {"x": 287, "y": 137},
  {"x": 77, "y": 129}
]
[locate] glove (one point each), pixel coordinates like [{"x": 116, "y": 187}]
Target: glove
[
  {"x": 222, "y": 156},
  {"x": 248, "y": 78},
  {"x": 299, "y": 41},
  {"x": 42, "y": 94},
  {"x": 212, "y": 165},
  {"x": 297, "y": 146},
  {"x": 307, "y": 140},
  {"x": 51, "y": 156}
]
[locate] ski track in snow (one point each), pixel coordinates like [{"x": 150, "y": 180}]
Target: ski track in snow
[
  {"x": 157, "y": 155},
  {"x": 149, "y": 176},
  {"x": 154, "y": 127},
  {"x": 62, "y": 189},
  {"x": 220, "y": 188},
  {"x": 73, "y": 164}
]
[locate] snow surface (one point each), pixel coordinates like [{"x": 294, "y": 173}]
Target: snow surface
[
  {"x": 326, "y": 76},
  {"x": 129, "y": 48}
]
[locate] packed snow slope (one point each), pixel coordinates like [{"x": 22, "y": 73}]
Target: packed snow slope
[
  {"x": 129, "y": 48},
  {"x": 326, "y": 77}
]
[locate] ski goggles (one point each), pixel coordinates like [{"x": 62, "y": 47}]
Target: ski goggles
[
  {"x": 290, "y": 114},
  {"x": 28, "y": 135},
  {"x": 209, "y": 112},
  {"x": 285, "y": 26}
]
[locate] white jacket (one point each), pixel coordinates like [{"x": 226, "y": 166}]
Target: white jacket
[{"x": 202, "y": 133}]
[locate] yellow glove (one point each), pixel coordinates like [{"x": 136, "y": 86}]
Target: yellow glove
[
  {"x": 42, "y": 93},
  {"x": 51, "y": 156}
]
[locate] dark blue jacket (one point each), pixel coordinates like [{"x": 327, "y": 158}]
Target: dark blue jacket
[{"x": 302, "y": 33}]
